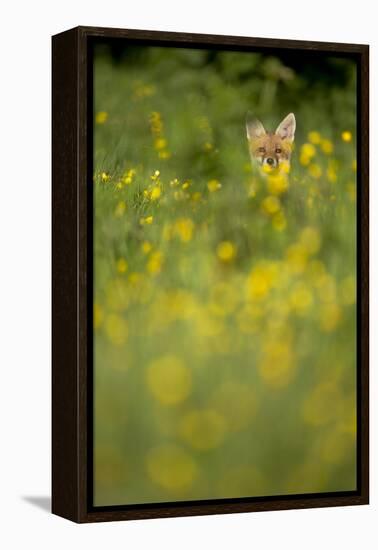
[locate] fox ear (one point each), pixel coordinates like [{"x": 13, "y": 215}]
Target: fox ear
[
  {"x": 254, "y": 127},
  {"x": 286, "y": 129}
]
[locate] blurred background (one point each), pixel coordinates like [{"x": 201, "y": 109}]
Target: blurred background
[{"x": 224, "y": 300}]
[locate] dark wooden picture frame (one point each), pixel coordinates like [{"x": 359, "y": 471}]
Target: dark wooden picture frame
[{"x": 72, "y": 356}]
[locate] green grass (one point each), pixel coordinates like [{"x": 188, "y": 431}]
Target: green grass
[{"x": 224, "y": 322}]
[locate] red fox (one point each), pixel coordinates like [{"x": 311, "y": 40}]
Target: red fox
[{"x": 271, "y": 150}]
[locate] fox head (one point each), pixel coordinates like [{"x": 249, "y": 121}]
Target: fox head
[{"x": 267, "y": 148}]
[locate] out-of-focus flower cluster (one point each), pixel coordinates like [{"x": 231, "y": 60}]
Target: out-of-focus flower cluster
[
  {"x": 224, "y": 296},
  {"x": 215, "y": 312}
]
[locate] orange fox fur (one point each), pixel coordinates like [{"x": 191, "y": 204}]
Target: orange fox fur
[{"x": 270, "y": 148}]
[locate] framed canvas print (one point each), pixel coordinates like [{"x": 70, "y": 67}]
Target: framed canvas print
[{"x": 210, "y": 274}]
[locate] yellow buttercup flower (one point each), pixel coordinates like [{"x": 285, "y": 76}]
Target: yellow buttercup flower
[
  {"x": 271, "y": 204},
  {"x": 155, "y": 262},
  {"x": 301, "y": 299},
  {"x": 101, "y": 117},
  {"x": 146, "y": 221},
  {"x": 155, "y": 175},
  {"x": 105, "y": 177},
  {"x": 277, "y": 184},
  {"x": 146, "y": 247},
  {"x": 315, "y": 171},
  {"x": 214, "y": 185},
  {"x": 279, "y": 221},
  {"x": 122, "y": 265},
  {"x": 160, "y": 143},
  {"x": 197, "y": 196},
  {"x": 332, "y": 170},
  {"x": 165, "y": 154},
  {"x": 326, "y": 146},
  {"x": 307, "y": 152},
  {"x": 167, "y": 231},
  {"x": 183, "y": 228},
  {"x": 155, "y": 193},
  {"x": 128, "y": 176},
  {"x": 156, "y": 123},
  {"x": 284, "y": 167},
  {"x": 262, "y": 279},
  {"x": 142, "y": 90},
  {"x": 314, "y": 137},
  {"x": 226, "y": 251},
  {"x": 134, "y": 278},
  {"x": 120, "y": 209},
  {"x": 267, "y": 169},
  {"x": 346, "y": 136}
]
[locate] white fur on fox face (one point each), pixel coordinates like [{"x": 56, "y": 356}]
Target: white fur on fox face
[{"x": 269, "y": 161}]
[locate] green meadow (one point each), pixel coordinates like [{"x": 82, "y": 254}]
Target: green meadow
[{"x": 224, "y": 299}]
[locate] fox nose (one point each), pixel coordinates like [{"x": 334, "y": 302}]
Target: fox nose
[{"x": 270, "y": 161}]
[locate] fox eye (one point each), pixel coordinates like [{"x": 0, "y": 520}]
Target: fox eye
[
  {"x": 278, "y": 150},
  {"x": 261, "y": 149}
]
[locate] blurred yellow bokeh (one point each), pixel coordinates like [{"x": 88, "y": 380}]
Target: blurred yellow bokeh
[
  {"x": 171, "y": 467},
  {"x": 224, "y": 290},
  {"x": 169, "y": 380}
]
